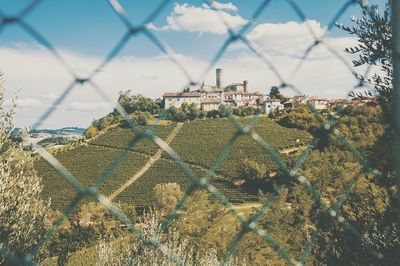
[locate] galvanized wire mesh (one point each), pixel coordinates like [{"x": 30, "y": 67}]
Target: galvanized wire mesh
[{"x": 291, "y": 173}]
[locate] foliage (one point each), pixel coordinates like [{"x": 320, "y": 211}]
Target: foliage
[
  {"x": 91, "y": 132},
  {"x": 201, "y": 213},
  {"x": 185, "y": 112},
  {"x": 23, "y": 214},
  {"x": 137, "y": 103},
  {"x": 139, "y": 118},
  {"x": 295, "y": 214},
  {"x": 252, "y": 171},
  {"x": 276, "y": 94},
  {"x": 374, "y": 33},
  {"x": 88, "y": 222},
  {"x": 136, "y": 253},
  {"x": 176, "y": 114},
  {"x": 191, "y": 112},
  {"x": 301, "y": 118},
  {"x": 111, "y": 253},
  {"x": 139, "y": 108},
  {"x": 167, "y": 196},
  {"x": 244, "y": 111},
  {"x": 370, "y": 208},
  {"x": 206, "y": 224},
  {"x": 69, "y": 240},
  {"x": 362, "y": 125}
]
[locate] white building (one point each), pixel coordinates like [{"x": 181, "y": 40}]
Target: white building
[
  {"x": 272, "y": 105},
  {"x": 318, "y": 104},
  {"x": 210, "y": 105},
  {"x": 177, "y": 99},
  {"x": 212, "y": 96},
  {"x": 242, "y": 98}
]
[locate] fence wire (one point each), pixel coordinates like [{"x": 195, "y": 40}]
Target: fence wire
[{"x": 202, "y": 182}]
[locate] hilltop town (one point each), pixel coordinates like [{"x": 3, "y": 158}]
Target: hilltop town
[{"x": 211, "y": 97}]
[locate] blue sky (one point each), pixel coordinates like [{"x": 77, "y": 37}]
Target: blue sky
[
  {"x": 90, "y": 26},
  {"x": 84, "y": 31}
]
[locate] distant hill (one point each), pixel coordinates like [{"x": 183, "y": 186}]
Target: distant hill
[
  {"x": 49, "y": 137},
  {"x": 198, "y": 143},
  {"x": 61, "y": 131}
]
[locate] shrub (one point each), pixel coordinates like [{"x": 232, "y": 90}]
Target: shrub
[
  {"x": 91, "y": 132},
  {"x": 252, "y": 171},
  {"x": 130, "y": 252},
  {"x": 167, "y": 195}
]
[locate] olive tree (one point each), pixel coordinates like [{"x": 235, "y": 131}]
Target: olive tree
[
  {"x": 374, "y": 33},
  {"x": 22, "y": 211}
]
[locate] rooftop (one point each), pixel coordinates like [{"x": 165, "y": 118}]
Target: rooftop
[{"x": 181, "y": 94}]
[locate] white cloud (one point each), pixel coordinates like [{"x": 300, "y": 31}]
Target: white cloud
[
  {"x": 90, "y": 106},
  {"x": 290, "y": 38},
  {"x": 202, "y": 19},
  {"x": 50, "y": 96},
  {"x": 222, "y": 6},
  {"x": 23, "y": 102},
  {"x": 40, "y": 76},
  {"x": 152, "y": 26}
]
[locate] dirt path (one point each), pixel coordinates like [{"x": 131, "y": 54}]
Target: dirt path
[
  {"x": 290, "y": 150},
  {"x": 148, "y": 165},
  {"x": 247, "y": 206}
]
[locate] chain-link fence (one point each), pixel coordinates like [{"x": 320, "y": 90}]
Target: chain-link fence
[{"x": 291, "y": 173}]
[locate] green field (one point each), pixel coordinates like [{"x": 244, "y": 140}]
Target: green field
[{"x": 198, "y": 143}]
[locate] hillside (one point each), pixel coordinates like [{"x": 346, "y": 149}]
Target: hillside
[{"x": 197, "y": 142}]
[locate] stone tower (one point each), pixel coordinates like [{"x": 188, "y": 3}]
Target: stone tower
[
  {"x": 245, "y": 85},
  {"x": 220, "y": 77}
]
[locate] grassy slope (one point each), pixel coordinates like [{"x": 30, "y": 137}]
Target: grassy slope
[{"x": 198, "y": 143}]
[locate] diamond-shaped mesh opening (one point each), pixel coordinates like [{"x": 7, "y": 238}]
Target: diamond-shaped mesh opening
[{"x": 102, "y": 183}]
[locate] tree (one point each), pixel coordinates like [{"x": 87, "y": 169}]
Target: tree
[
  {"x": 91, "y": 132},
  {"x": 125, "y": 101},
  {"x": 276, "y": 94},
  {"x": 132, "y": 103},
  {"x": 145, "y": 104},
  {"x": 167, "y": 196},
  {"x": 374, "y": 33},
  {"x": 23, "y": 214},
  {"x": 252, "y": 171},
  {"x": 185, "y": 107},
  {"x": 140, "y": 118},
  {"x": 369, "y": 208},
  {"x": 193, "y": 111},
  {"x": 176, "y": 114}
]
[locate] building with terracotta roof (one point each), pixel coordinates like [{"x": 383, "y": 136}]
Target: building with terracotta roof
[
  {"x": 318, "y": 103},
  {"x": 209, "y": 97},
  {"x": 177, "y": 99}
]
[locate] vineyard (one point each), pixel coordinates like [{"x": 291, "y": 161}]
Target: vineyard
[{"x": 198, "y": 143}]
